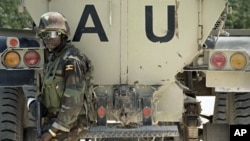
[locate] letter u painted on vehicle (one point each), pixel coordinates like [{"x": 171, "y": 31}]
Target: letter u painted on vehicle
[{"x": 149, "y": 25}]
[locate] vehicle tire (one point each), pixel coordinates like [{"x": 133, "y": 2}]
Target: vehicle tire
[
  {"x": 220, "y": 108},
  {"x": 232, "y": 108},
  {"x": 11, "y": 114},
  {"x": 241, "y": 108}
]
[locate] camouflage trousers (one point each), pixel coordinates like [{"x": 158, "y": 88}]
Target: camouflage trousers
[{"x": 74, "y": 135}]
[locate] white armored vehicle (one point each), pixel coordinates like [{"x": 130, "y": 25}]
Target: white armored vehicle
[{"x": 150, "y": 61}]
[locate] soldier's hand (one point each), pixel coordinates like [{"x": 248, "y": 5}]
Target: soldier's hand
[{"x": 46, "y": 137}]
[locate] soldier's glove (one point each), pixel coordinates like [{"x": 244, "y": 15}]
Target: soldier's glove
[{"x": 32, "y": 106}]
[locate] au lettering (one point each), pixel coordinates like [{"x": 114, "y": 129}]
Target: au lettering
[{"x": 90, "y": 10}]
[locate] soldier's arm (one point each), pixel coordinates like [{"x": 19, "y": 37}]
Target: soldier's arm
[{"x": 72, "y": 100}]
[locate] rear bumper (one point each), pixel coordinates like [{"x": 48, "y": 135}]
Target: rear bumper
[{"x": 145, "y": 131}]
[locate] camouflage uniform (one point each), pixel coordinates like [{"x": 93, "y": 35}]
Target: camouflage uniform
[
  {"x": 67, "y": 90},
  {"x": 66, "y": 87}
]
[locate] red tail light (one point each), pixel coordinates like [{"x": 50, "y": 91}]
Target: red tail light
[
  {"x": 31, "y": 58},
  {"x": 101, "y": 112},
  {"x": 146, "y": 112},
  {"x": 218, "y": 60}
]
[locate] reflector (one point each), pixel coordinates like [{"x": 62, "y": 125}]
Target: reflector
[
  {"x": 101, "y": 112},
  {"x": 12, "y": 42},
  {"x": 146, "y": 111}
]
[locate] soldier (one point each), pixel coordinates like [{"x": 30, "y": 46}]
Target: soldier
[{"x": 66, "y": 94}]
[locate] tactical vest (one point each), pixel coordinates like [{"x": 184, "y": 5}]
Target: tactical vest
[{"x": 53, "y": 85}]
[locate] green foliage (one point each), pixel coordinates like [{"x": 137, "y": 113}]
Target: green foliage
[
  {"x": 11, "y": 18},
  {"x": 240, "y": 17}
]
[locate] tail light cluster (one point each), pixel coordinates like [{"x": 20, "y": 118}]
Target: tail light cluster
[
  {"x": 228, "y": 60},
  {"x": 16, "y": 57}
]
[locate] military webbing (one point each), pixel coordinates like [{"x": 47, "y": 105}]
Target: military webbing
[
  {"x": 51, "y": 72},
  {"x": 50, "y": 66}
]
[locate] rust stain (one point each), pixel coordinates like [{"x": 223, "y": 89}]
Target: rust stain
[
  {"x": 179, "y": 54},
  {"x": 136, "y": 82}
]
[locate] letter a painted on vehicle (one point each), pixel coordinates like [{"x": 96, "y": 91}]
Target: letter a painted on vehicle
[{"x": 90, "y": 10}]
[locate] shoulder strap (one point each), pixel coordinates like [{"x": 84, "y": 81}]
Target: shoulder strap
[{"x": 52, "y": 67}]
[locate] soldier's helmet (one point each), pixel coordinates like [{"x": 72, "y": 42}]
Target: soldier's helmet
[{"x": 53, "y": 21}]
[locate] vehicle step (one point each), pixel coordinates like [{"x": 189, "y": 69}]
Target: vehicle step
[{"x": 145, "y": 131}]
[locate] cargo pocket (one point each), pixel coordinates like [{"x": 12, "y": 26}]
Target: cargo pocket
[{"x": 52, "y": 93}]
